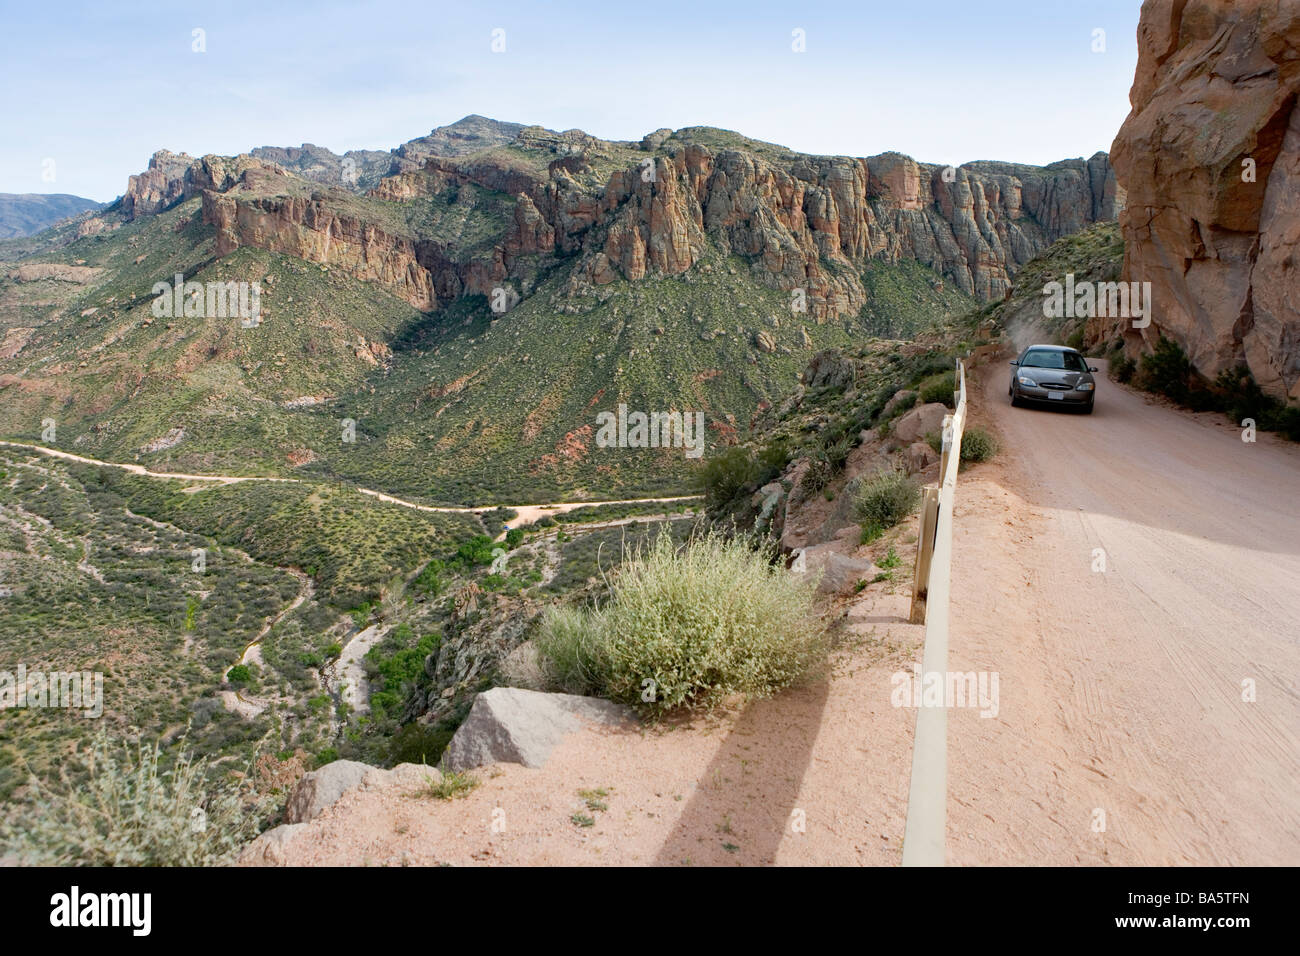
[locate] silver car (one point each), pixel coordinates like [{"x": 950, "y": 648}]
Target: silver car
[{"x": 1053, "y": 375}]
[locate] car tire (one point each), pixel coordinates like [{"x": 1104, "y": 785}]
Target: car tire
[
  {"x": 1015, "y": 399},
  {"x": 1087, "y": 409}
]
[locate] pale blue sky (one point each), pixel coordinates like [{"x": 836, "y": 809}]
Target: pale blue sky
[{"x": 98, "y": 86}]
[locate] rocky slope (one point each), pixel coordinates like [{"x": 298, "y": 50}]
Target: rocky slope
[{"x": 1210, "y": 159}]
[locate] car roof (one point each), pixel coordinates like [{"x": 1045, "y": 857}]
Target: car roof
[{"x": 1051, "y": 348}]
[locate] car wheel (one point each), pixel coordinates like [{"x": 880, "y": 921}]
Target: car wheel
[
  {"x": 1087, "y": 409},
  {"x": 1015, "y": 399}
]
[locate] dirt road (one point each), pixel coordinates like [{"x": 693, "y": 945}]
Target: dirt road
[
  {"x": 1121, "y": 683},
  {"x": 526, "y": 513}
]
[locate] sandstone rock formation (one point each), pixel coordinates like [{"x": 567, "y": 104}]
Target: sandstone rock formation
[
  {"x": 807, "y": 225},
  {"x": 512, "y": 725},
  {"x": 1210, "y": 159}
]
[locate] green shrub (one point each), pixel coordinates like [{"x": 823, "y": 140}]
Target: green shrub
[
  {"x": 978, "y": 445},
  {"x": 1241, "y": 398},
  {"x": 938, "y": 388},
  {"x": 429, "y": 582},
  {"x": 688, "y": 626},
  {"x": 571, "y": 650},
  {"x": 239, "y": 674},
  {"x": 513, "y": 537},
  {"x": 885, "y": 499},
  {"x": 120, "y": 804},
  {"x": 1075, "y": 341},
  {"x": 1166, "y": 371},
  {"x": 935, "y": 441},
  {"x": 724, "y": 476},
  {"x": 1123, "y": 368},
  {"x": 477, "y": 551},
  {"x": 450, "y": 786}
]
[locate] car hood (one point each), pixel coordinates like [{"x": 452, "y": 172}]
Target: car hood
[{"x": 1056, "y": 376}]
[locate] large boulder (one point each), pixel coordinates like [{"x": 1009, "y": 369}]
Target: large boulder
[
  {"x": 919, "y": 422},
  {"x": 321, "y": 788},
  {"x": 513, "y": 725},
  {"x": 829, "y": 369},
  {"x": 271, "y": 848},
  {"x": 838, "y": 572}
]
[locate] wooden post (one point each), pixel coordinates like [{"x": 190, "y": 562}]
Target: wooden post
[{"x": 924, "y": 552}]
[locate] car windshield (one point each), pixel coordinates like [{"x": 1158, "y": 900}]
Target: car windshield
[{"x": 1071, "y": 361}]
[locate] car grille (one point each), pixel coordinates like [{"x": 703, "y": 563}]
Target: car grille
[{"x": 1056, "y": 385}]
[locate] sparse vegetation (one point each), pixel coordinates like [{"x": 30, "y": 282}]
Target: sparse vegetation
[
  {"x": 685, "y": 627},
  {"x": 132, "y": 804},
  {"x": 450, "y": 785},
  {"x": 884, "y": 500},
  {"x": 977, "y": 444}
]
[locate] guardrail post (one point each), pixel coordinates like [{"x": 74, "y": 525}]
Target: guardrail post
[{"x": 924, "y": 552}]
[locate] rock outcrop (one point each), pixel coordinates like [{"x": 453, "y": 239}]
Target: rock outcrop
[
  {"x": 512, "y": 725},
  {"x": 321, "y": 788},
  {"x": 914, "y": 425},
  {"x": 1210, "y": 159}
]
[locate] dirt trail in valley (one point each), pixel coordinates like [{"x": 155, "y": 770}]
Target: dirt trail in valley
[
  {"x": 527, "y": 513},
  {"x": 1121, "y": 689}
]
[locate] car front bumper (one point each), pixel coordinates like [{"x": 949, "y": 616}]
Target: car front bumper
[{"x": 1055, "y": 396}]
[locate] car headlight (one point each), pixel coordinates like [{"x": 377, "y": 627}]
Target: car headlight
[
  {"x": 1085, "y": 386},
  {"x": 1025, "y": 380}
]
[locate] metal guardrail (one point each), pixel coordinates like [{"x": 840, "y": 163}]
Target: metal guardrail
[{"x": 924, "y": 842}]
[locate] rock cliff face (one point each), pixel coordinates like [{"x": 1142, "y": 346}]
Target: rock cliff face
[
  {"x": 626, "y": 210},
  {"x": 1210, "y": 159},
  {"x": 810, "y": 224}
]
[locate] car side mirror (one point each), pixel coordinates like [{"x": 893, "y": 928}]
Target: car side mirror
[
  {"x": 1013, "y": 362},
  {"x": 1092, "y": 368}
]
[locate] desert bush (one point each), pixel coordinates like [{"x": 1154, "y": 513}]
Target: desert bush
[
  {"x": 938, "y": 388},
  {"x": 978, "y": 445},
  {"x": 1165, "y": 371},
  {"x": 569, "y": 647},
  {"x": 725, "y": 475},
  {"x": 1123, "y": 367},
  {"x": 687, "y": 626},
  {"x": 886, "y": 499},
  {"x": 119, "y": 804}
]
